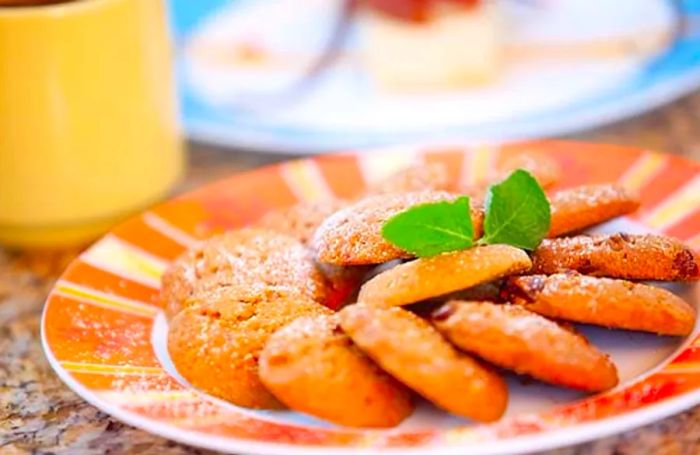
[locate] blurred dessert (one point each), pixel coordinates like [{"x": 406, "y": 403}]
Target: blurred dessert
[{"x": 430, "y": 44}]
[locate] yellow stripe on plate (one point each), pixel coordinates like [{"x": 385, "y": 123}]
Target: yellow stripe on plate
[
  {"x": 376, "y": 167},
  {"x": 477, "y": 165},
  {"x": 120, "y": 258},
  {"x": 682, "y": 367},
  {"x": 643, "y": 170},
  {"x": 96, "y": 368},
  {"x": 306, "y": 181},
  {"x": 695, "y": 343},
  {"x": 680, "y": 204},
  {"x": 149, "y": 397},
  {"x": 104, "y": 300}
]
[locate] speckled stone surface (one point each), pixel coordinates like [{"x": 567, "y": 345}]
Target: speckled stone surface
[{"x": 38, "y": 414}]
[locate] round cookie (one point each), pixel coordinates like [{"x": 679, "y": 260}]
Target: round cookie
[
  {"x": 300, "y": 220},
  {"x": 243, "y": 258},
  {"x": 577, "y": 208},
  {"x": 611, "y": 303},
  {"x": 636, "y": 257},
  {"x": 312, "y": 366},
  {"x": 352, "y": 236},
  {"x": 411, "y": 350},
  {"x": 527, "y": 343},
  {"x": 215, "y": 343},
  {"x": 424, "y": 278}
]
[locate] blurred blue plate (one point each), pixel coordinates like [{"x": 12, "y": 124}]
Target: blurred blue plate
[{"x": 570, "y": 65}]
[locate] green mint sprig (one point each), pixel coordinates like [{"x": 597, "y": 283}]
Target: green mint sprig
[
  {"x": 430, "y": 229},
  {"x": 517, "y": 213}
]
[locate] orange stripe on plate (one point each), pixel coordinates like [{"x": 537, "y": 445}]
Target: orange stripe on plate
[
  {"x": 126, "y": 382},
  {"x": 77, "y": 332},
  {"x": 139, "y": 233},
  {"x": 187, "y": 215},
  {"x": 157, "y": 223},
  {"x": 242, "y": 199},
  {"x": 690, "y": 354},
  {"x": 241, "y": 426},
  {"x": 342, "y": 174},
  {"x": 575, "y": 160}
]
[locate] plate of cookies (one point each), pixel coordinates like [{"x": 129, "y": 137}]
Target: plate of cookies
[{"x": 458, "y": 299}]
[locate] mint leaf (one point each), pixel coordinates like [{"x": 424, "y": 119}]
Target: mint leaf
[
  {"x": 430, "y": 229},
  {"x": 517, "y": 212}
]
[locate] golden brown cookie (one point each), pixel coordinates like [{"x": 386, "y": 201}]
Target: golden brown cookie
[
  {"x": 611, "y": 303},
  {"x": 300, "y": 220},
  {"x": 411, "y": 350},
  {"x": 215, "y": 344},
  {"x": 637, "y": 257},
  {"x": 421, "y": 177},
  {"x": 585, "y": 206},
  {"x": 312, "y": 366},
  {"x": 243, "y": 258},
  {"x": 424, "y": 278},
  {"x": 527, "y": 343},
  {"x": 353, "y": 236}
]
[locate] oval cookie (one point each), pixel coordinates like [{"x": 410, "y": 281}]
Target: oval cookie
[
  {"x": 585, "y": 206},
  {"x": 527, "y": 343},
  {"x": 215, "y": 344},
  {"x": 411, "y": 350},
  {"x": 424, "y": 278},
  {"x": 243, "y": 258},
  {"x": 312, "y": 366},
  {"x": 611, "y": 303},
  {"x": 638, "y": 257},
  {"x": 353, "y": 236}
]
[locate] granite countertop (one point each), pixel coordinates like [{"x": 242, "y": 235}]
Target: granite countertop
[{"x": 38, "y": 414}]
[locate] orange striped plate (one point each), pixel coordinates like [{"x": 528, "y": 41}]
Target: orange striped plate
[{"x": 104, "y": 332}]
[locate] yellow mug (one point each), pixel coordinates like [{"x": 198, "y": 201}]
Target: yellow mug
[{"x": 89, "y": 128}]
